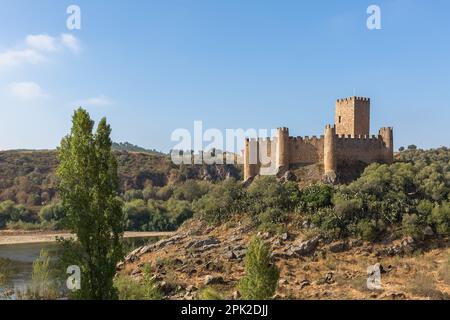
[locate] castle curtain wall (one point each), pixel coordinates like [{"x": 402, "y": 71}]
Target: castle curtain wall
[
  {"x": 365, "y": 149},
  {"x": 306, "y": 150}
]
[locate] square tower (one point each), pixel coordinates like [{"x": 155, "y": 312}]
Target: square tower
[{"x": 353, "y": 116}]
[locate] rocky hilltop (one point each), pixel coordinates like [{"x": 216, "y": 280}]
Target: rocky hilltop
[{"x": 199, "y": 255}]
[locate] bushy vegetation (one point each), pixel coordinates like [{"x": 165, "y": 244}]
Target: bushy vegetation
[
  {"x": 11, "y": 213},
  {"x": 209, "y": 293},
  {"x": 407, "y": 198},
  {"x": 409, "y": 195},
  {"x": 146, "y": 289},
  {"x": 7, "y": 269},
  {"x": 28, "y": 182},
  {"x": 41, "y": 287}
]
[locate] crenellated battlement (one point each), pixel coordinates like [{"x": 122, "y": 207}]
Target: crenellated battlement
[
  {"x": 351, "y": 99},
  {"x": 359, "y": 137}
]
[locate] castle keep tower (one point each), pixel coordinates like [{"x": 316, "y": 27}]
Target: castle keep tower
[{"x": 353, "y": 116}]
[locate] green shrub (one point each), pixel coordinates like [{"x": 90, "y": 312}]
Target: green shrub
[
  {"x": 191, "y": 190},
  {"x": 425, "y": 207},
  {"x": 151, "y": 289},
  {"x": 347, "y": 208},
  {"x": 131, "y": 195},
  {"x": 411, "y": 226},
  {"x": 164, "y": 193},
  {"x": 209, "y": 293},
  {"x": 6, "y": 209},
  {"x": 22, "y": 213},
  {"x": 41, "y": 285},
  {"x": 128, "y": 289},
  {"x": 178, "y": 211},
  {"x": 267, "y": 193},
  {"x": 150, "y": 192},
  {"x": 224, "y": 199},
  {"x": 28, "y": 226},
  {"x": 272, "y": 215},
  {"x": 261, "y": 275},
  {"x": 316, "y": 197},
  {"x": 12, "y": 213},
  {"x": 7, "y": 269},
  {"x": 328, "y": 222},
  {"x": 440, "y": 217},
  {"x": 367, "y": 229},
  {"x": 137, "y": 215},
  {"x": 52, "y": 212}
]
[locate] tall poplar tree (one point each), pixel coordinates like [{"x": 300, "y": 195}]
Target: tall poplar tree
[{"x": 88, "y": 187}]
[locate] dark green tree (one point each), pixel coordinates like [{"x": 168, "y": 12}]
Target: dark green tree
[
  {"x": 88, "y": 184},
  {"x": 261, "y": 275}
]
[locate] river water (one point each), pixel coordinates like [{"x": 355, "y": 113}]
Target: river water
[{"x": 20, "y": 258}]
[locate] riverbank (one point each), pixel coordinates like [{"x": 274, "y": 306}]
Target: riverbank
[{"x": 9, "y": 237}]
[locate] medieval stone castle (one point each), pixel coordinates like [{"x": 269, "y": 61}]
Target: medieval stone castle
[{"x": 346, "y": 142}]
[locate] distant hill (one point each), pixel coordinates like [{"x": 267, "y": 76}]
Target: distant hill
[
  {"x": 27, "y": 177},
  {"x": 126, "y": 146}
]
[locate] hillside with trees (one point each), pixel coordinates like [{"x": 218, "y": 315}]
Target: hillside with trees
[
  {"x": 29, "y": 197},
  {"x": 320, "y": 239}
]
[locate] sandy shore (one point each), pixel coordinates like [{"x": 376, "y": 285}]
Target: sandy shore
[{"x": 8, "y": 237}]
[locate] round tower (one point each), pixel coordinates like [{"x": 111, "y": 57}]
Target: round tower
[
  {"x": 282, "y": 158},
  {"x": 387, "y": 134},
  {"x": 329, "y": 150},
  {"x": 250, "y": 159}
]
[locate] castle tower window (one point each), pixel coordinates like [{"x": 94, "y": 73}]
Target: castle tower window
[{"x": 340, "y": 119}]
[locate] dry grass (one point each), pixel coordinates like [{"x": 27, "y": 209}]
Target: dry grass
[
  {"x": 349, "y": 268},
  {"x": 444, "y": 272},
  {"x": 424, "y": 285}
]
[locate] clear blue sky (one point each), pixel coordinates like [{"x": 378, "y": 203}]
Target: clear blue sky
[{"x": 153, "y": 66}]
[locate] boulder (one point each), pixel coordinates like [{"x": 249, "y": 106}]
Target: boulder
[
  {"x": 337, "y": 247},
  {"x": 136, "y": 271},
  {"x": 330, "y": 177},
  {"x": 120, "y": 265},
  {"x": 355, "y": 243},
  {"x": 191, "y": 288},
  {"x": 408, "y": 245},
  {"x": 229, "y": 255},
  {"x": 287, "y": 176},
  {"x": 393, "y": 295},
  {"x": 285, "y": 236},
  {"x": 329, "y": 277},
  {"x": 428, "y": 231},
  {"x": 202, "y": 243},
  {"x": 304, "y": 283},
  {"x": 304, "y": 248},
  {"x": 240, "y": 254},
  {"x": 209, "y": 280},
  {"x": 164, "y": 287},
  {"x": 236, "y": 295}
]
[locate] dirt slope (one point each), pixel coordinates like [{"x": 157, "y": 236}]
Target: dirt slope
[{"x": 310, "y": 268}]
